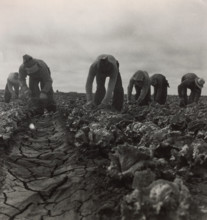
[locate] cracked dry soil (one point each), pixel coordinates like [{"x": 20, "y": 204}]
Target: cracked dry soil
[
  {"x": 43, "y": 177},
  {"x": 57, "y": 172}
]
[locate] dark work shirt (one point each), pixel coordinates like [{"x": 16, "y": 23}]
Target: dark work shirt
[
  {"x": 111, "y": 71},
  {"x": 42, "y": 75},
  {"x": 189, "y": 84}
]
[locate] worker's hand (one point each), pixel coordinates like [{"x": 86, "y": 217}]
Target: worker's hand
[
  {"x": 102, "y": 106},
  {"x": 89, "y": 105},
  {"x": 27, "y": 92},
  {"x": 153, "y": 103},
  {"x": 192, "y": 104},
  {"x": 129, "y": 102},
  {"x": 182, "y": 103},
  {"x": 14, "y": 96},
  {"x": 138, "y": 102},
  {"x": 43, "y": 96}
]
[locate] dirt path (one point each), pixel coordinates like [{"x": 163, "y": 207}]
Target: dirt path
[{"x": 45, "y": 179}]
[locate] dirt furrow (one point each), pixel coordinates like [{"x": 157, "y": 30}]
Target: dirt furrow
[{"x": 43, "y": 178}]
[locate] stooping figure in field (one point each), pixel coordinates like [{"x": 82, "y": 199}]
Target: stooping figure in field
[
  {"x": 40, "y": 83},
  {"x": 160, "y": 84},
  {"x": 12, "y": 87},
  {"x": 141, "y": 81},
  {"x": 195, "y": 84},
  {"x": 105, "y": 66}
]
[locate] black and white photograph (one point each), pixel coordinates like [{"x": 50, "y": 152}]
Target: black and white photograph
[{"x": 103, "y": 110}]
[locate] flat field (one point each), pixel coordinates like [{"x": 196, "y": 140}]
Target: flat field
[{"x": 143, "y": 163}]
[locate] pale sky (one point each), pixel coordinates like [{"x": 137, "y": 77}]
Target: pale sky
[{"x": 159, "y": 36}]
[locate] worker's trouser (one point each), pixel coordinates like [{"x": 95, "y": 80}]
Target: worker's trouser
[
  {"x": 118, "y": 93},
  {"x": 8, "y": 95},
  {"x": 160, "y": 94},
  {"x": 193, "y": 97},
  {"x": 48, "y": 104}
]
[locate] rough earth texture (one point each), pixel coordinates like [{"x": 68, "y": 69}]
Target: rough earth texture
[{"x": 143, "y": 163}]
